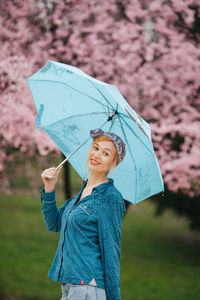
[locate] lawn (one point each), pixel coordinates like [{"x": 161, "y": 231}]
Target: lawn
[{"x": 160, "y": 257}]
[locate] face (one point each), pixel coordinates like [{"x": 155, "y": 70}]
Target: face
[{"x": 101, "y": 156}]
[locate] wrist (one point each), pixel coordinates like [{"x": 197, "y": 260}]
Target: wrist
[{"x": 48, "y": 190}]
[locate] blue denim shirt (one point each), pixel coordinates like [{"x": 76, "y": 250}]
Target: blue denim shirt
[{"x": 90, "y": 235}]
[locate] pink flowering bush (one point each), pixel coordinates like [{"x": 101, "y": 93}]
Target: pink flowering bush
[{"x": 149, "y": 49}]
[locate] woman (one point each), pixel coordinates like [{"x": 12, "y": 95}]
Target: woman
[{"x": 88, "y": 254}]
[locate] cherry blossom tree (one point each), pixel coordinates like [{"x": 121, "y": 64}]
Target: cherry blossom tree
[{"x": 149, "y": 49}]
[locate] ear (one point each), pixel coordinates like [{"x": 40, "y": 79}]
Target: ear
[{"x": 114, "y": 164}]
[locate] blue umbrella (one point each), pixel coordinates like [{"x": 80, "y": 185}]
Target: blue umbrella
[{"x": 70, "y": 103}]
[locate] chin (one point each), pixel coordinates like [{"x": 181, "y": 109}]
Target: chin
[
  {"x": 95, "y": 168},
  {"x": 91, "y": 167}
]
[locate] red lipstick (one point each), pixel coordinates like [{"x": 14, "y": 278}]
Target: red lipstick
[{"x": 94, "y": 162}]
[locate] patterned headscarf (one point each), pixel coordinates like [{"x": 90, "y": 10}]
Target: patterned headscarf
[{"x": 116, "y": 140}]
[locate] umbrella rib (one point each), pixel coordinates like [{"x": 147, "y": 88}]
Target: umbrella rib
[
  {"x": 111, "y": 125},
  {"x": 135, "y": 134},
  {"x": 90, "y": 96},
  {"x": 129, "y": 116},
  {"x": 76, "y": 91},
  {"x": 85, "y": 94},
  {"x": 74, "y": 116},
  {"x": 102, "y": 96},
  {"x": 133, "y": 160}
]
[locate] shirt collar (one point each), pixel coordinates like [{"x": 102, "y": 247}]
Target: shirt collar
[{"x": 101, "y": 187}]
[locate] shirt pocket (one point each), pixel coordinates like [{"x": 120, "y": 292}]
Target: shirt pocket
[
  {"x": 86, "y": 209},
  {"x": 84, "y": 213}
]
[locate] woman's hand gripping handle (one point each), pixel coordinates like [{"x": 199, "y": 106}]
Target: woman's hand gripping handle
[{"x": 49, "y": 178}]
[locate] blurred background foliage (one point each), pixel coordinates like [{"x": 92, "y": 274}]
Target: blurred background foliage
[{"x": 150, "y": 50}]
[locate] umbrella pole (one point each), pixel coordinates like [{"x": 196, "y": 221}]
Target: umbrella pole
[
  {"x": 62, "y": 163},
  {"x": 66, "y": 159}
]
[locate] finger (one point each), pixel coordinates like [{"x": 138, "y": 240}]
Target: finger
[
  {"x": 48, "y": 175},
  {"x": 51, "y": 172},
  {"x": 59, "y": 169}
]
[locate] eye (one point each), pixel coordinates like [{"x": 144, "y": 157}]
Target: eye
[
  {"x": 95, "y": 147},
  {"x": 105, "y": 153}
]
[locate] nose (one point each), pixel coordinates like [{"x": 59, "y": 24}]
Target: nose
[{"x": 96, "y": 155}]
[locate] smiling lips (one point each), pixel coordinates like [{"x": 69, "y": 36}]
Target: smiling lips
[{"x": 94, "y": 162}]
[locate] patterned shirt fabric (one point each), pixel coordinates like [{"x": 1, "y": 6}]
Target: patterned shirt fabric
[{"x": 90, "y": 235}]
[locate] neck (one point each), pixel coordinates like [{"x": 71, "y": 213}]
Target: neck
[{"x": 95, "y": 179}]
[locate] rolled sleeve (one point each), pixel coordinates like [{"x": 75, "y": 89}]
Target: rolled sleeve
[{"x": 111, "y": 212}]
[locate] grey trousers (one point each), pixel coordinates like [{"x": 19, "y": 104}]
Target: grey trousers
[{"x": 82, "y": 292}]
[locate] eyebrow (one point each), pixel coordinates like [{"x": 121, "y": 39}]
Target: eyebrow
[{"x": 104, "y": 148}]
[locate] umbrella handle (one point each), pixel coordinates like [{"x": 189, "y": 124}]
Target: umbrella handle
[
  {"x": 66, "y": 159},
  {"x": 62, "y": 163}
]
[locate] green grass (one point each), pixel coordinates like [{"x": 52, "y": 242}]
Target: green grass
[{"x": 160, "y": 257}]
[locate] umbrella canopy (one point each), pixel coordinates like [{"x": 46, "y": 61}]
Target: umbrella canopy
[{"x": 70, "y": 103}]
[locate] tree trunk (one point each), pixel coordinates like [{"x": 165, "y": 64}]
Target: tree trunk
[{"x": 67, "y": 184}]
